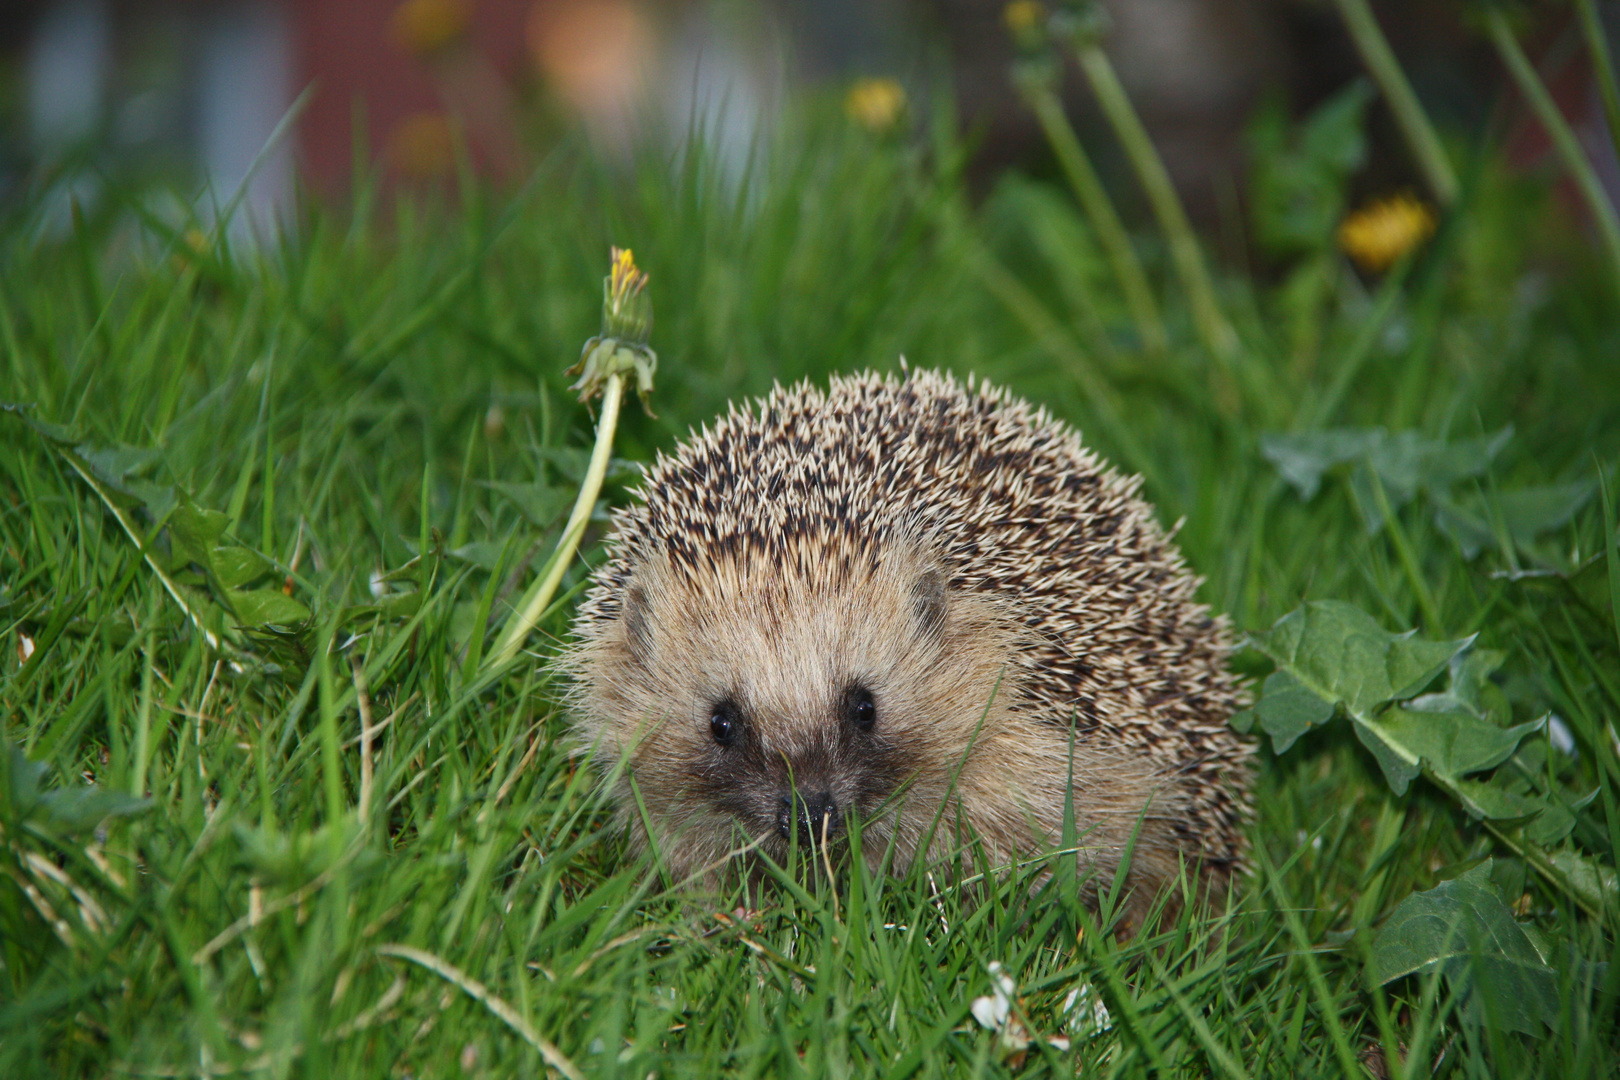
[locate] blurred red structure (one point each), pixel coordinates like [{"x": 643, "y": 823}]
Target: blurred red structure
[
  {"x": 199, "y": 85},
  {"x": 377, "y": 72}
]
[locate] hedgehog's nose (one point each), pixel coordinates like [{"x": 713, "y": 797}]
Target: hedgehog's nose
[{"x": 817, "y": 816}]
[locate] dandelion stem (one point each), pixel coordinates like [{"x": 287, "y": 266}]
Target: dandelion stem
[
  {"x": 1597, "y": 43},
  {"x": 1216, "y": 332},
  {"x": 1414, "y": 122},
  {"x": 1093, "y": 197},
  {"x": 539, "y": 596},
  {"x": 1558, "y": 130},
  {"x": 1050, "y": 334}
]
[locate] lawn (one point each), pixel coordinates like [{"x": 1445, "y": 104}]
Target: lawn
[{"x": 265, "y": 508}]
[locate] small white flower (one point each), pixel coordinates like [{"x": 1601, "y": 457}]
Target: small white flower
[
  {"x": 25, "y": 648},
  {"x": 991, "y": 1012},
  {"x": 379, "y": 587}
]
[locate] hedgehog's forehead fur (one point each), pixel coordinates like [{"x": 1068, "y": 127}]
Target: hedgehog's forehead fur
[{"x": 953, "y": 553}]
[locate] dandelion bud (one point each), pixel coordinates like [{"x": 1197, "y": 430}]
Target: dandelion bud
[
  {"x": 626, "y": 310},
  {"x": 621, "y": 348}
]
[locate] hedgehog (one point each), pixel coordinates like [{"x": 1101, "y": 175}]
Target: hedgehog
[{"x": 917, "y": 604}]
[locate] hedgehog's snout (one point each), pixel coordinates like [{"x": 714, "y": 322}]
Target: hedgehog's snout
[{"x": 817, "y": 814}]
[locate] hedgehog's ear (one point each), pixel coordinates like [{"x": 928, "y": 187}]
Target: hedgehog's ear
[
  {"x": 633, "y": 614},
  {"x": 929, "y": 602}
]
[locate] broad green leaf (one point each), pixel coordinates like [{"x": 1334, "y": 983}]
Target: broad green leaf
[
  {"x": 117, "y": 468},
  {"x": 55, "y": 433},
  {"x": 1454, "y": 743},
  {"x": 261, "y": 607},
  {"x": 1304, "y": 457},
  {"x": 116, "y": 464},
  {"x": 1462, "y": 930},
  {"x": 1524, "y": 514},
  {"x": 236, "y": 566},
  {"x": 1399, "y": 766},
  {"x": 1288, "y": 709},
  {"x": 1407, "y": 460},
  {"x": 1496, "y": 802},
  {"x": 1341, "y": 654},
  {"x": 1404, "y": 462},
  {"x": 68, "y": 809},
  {"x": 1331, "y": 654},
  {"x": 294, "y": 857},
  {"x": 1529, "y": 512},
  {"x": 1550, "y": 826},
  {"x": 22, "y": 778},
  {"x": 1332, "y": 136},
  {"x": 400, "y": 605},
  {"x": 484, "y": 554},
  {"x": 194, "y": 531},
  {"x": 159, "y": 499},
  {"x": 1471, "y": 689},
  {"x": 541, "y": 504},
  {"x": 1470, "y": 530},
  {"x": 1593, "y": 882},
  {"x": 1508, "y": 878},
  {"x": 1300, "y": 174},
  {"x": 74, "y": 809}
]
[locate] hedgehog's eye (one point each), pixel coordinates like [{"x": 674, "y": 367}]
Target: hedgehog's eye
[
  {"x": 724, "y": 725},
  {"x": 862, "y": 709}
]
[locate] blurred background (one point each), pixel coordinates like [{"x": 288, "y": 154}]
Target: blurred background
[{"x": 262, "y": 98}]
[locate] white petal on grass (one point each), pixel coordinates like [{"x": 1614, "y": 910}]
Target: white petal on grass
[
  {"x": 1560, "y": 736},
  {"x": 992, "y": 1011},
  {"x": 1087, "y": 1013}
]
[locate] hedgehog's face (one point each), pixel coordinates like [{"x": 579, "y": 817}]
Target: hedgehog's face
[{"x": 790, "y": 699}]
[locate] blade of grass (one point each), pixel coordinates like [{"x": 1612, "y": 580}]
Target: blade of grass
[
  {"x": 1558, "y": 130},
  {"x": 1099, "y": 210},
  {"x": 1414, "y": 123}
]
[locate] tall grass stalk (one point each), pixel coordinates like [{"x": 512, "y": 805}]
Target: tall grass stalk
[
  {"x": 1597, "y": 47},
  {"x": 1419, "y": 133},
  {"x": 1568, "y": 147},
  {"x": 1185, "y": 253},
  {"x": 1088, "y": 189}
]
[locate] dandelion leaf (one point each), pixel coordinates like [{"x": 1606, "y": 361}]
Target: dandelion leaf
[
  {"x": 1341, "y": 654},
  {"x": 1463, "y": 931}
]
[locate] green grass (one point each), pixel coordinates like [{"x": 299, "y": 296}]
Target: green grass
[{"x": 392, "y": 375}]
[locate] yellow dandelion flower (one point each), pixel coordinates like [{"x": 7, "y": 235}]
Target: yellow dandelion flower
[
  {"x": 626, "y": 311},
  {"x": 423, "y": 145},
  {"x": 624, "y": 280},
  {"x": 425, "y": 27},
  {"x": 875, "y": 104},
  {"x": 1022, "y": 16},
  {"x": 1378, "y": 234}
]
